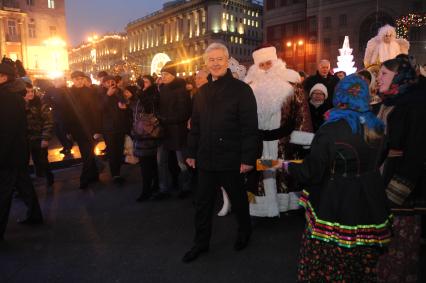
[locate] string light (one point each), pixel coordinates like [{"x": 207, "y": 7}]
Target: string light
[{"x": 410, "y": 20}]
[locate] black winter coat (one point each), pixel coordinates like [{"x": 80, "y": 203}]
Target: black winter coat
[
  {"x": 405, "y": 175},
  {"x": 224, "y": 125},
  {"x": 147, "y": 102},
  {"x": 13, "y": 126},
  {"x": 81, "y": 113},
  {"x": 344, "y": 186},
  {"x": 174, "y": 113},
  {"x": 317, "y": 115},
  {"x": 330, "y": 82},
  {"x": 113, "y": 119}
]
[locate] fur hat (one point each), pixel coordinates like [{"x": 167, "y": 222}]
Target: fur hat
[
  {"x": 292, "y": 76},
  {"x": 169, "y": 67},
  {"x": 265, "y": 54},
  {"x": 319, "y": 87},
  {"x": 7, "y": 69}
]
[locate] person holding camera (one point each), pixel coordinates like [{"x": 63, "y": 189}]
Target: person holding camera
[{"x": 113, "y": 125}]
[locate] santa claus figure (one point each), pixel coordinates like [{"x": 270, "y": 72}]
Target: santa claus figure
[
  {"x": 275, "y": 98},
  {"x": 384, "y": 46}
]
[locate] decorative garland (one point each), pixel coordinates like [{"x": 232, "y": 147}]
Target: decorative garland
[{"x": 411, "y": 20}]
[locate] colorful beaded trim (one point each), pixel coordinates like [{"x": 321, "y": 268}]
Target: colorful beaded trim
[{"x": 343, "y": 235}]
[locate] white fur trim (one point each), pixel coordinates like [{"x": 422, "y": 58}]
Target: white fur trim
[
  {"x": 292, "y": 76},
  {"x": 265, "y": 54}
]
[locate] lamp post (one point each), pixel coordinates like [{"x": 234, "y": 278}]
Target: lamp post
[{"x": 294, "y": 44}]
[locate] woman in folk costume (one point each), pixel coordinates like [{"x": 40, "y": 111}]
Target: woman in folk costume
[
  {"x": 384, "y": 46},
  {"x": 272, "y": 91},
  {"x": 404, "y": 170},
  {"x": 348, "y": 220}
]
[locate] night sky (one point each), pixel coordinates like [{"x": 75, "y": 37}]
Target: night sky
[{"x": 100, "y": 16}]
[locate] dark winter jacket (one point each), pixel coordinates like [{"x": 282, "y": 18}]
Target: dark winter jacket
[
  {"x": 174, "y": 113},
  {"x": 405, "y": 173},
  {"x": 39, "y": 120},
  {"x": 13, "y": 126},
  {"x": 55, "y": 98},
  {"x": 344, "y": 187},
  {"x": 330, "y": 82},
  {"x": 113, "y": 119},
  {"x": 317, "y": 115},
  {"x": 224, "y": 132},
  {"x": 82, "y": 115},
  {"x": 147, "y": 102}
]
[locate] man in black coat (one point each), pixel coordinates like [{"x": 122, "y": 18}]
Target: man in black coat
[
  {"x": 14, "y": 150},
  {"x": 223, "y": 144},
  {"x": 174, "y": 112},
  {"x": 82, "y": 122},
  {"x": 113, "y": 125},
  {"x": 323, "y": 76}
]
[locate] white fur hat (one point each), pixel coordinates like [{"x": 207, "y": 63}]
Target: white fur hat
[
  {"x": 319, "y": 87},
  {"x": 292, "y": 76},
  {"x": 265, "y": 54}
]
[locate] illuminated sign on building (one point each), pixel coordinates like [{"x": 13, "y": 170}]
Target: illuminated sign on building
[{"x": 159, "y": 60}]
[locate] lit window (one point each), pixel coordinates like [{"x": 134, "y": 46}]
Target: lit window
[
  {"x": 51, "y": 4},
  {"x": 245, "y": 21},
  {"x": 32, "y": 30},
  {"x": 241, "y": 40},
  {"x": 52, "y": 30}
]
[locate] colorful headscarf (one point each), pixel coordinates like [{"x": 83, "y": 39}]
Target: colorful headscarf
[
  {"x": 351, "y": 103},
  {"x": 404, "y": 79}
]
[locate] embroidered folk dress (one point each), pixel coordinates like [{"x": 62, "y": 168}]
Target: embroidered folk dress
[{"x": 348, "y": 221}]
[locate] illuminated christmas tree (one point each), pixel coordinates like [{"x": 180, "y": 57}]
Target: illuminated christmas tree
[{"x": 345, "y": 62}]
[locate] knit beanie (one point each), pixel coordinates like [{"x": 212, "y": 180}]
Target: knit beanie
[
  {"x": 319, "y": 87},
  {"x": 169, "y": 67}
]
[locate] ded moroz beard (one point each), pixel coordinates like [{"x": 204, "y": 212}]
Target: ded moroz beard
[{"x": 271, "y": 90}]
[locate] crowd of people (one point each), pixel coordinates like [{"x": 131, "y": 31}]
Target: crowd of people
[{"x": 362, "y": 179}]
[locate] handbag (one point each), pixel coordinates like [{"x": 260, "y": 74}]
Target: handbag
[{"x": 146, "y": 125}]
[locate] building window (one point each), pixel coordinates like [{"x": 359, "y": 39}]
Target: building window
[
  {"x": 51, "y": 4},
  {"x": 327, "y": 22},
  {"x": 270, "y": 4},
  {"x": 52, "y": 30},
  {"x": 32, "y": 30},
  {"x": 343, "y": 21},
  {"x": 277, "y": 32},
  {"x": 11, "y": 27},
  {"x": 312, "y": 25},
  {"x": 30, "y": 2}
]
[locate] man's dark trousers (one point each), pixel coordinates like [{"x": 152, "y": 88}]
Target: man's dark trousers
[{"x": 209, "y": 183}]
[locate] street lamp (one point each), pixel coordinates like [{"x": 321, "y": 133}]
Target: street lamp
[{"x": 294, "y": 44}]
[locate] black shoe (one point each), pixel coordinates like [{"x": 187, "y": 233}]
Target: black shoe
[
  {"x": 194, "y": 253},
  {"x": 30, "y": 221},
  {"x": 241, "y": 243},
  {"x": 183, "y": 194},
  {"x": 143, "y": 197},
  {"x": 160, "y": 196},
  {"x": 118, "y": 180}
]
